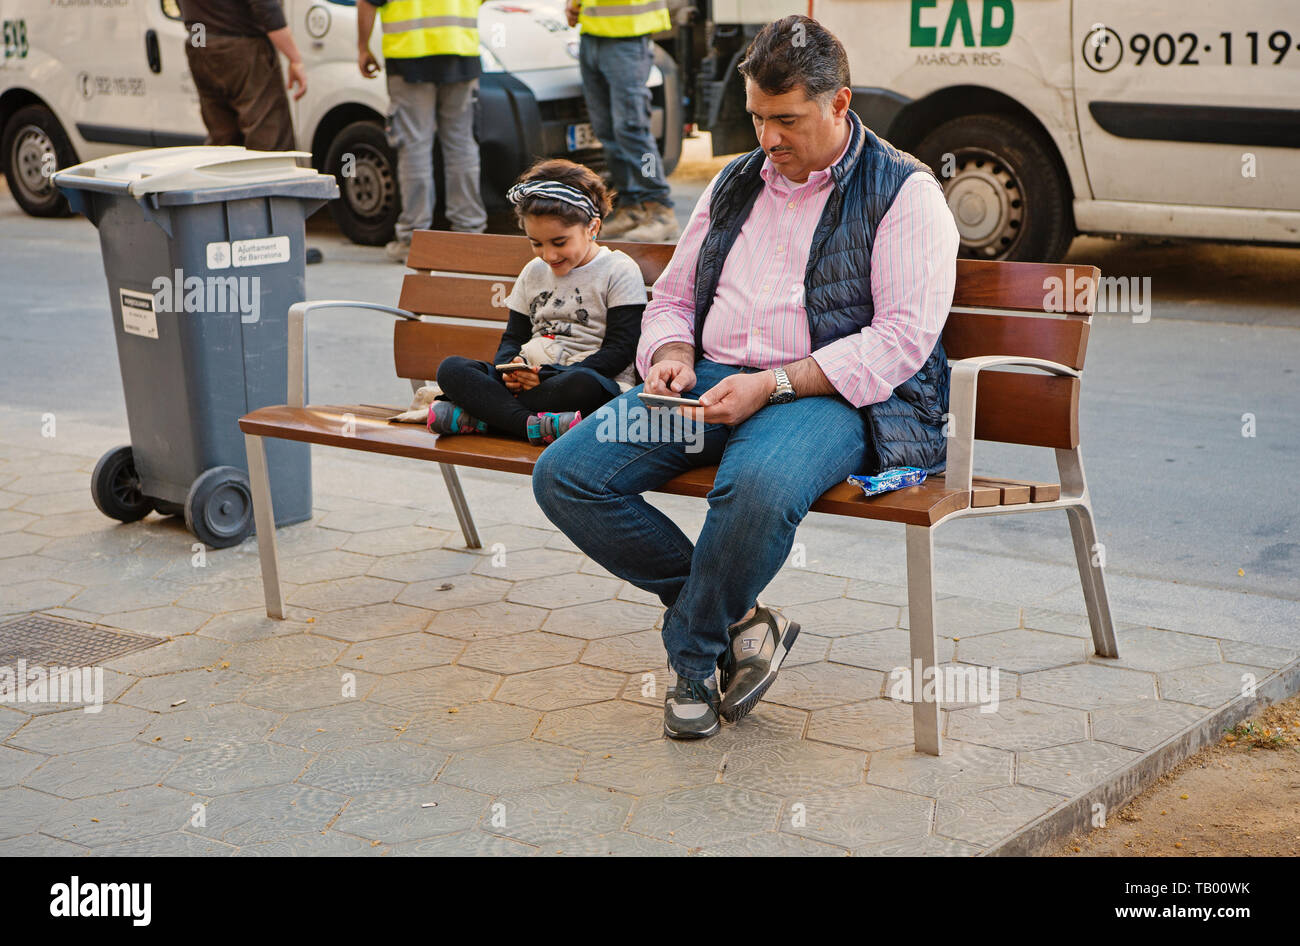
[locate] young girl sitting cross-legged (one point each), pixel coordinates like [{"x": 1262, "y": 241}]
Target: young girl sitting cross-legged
[{"x": 575, "y": 319}]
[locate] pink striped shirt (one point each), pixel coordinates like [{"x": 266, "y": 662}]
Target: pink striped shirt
[{"x": 758, "y": 318}]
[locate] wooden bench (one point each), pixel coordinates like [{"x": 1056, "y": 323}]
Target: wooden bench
[{"x": 1003, "y": 317}]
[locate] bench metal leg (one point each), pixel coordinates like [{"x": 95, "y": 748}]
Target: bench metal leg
[
  {"x": 1088, "y": 552},
  {"x": 264, "y": 518},
  {"x": 458, "y": 502},
  {"x": 920, "y": 607}
]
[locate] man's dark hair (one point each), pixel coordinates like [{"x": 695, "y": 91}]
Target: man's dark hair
[{"x": 797, "y": 50}]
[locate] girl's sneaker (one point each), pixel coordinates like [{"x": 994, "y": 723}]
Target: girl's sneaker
[
  {"x": 448, "y": 418},
  {"x": 545, "y": 428}
]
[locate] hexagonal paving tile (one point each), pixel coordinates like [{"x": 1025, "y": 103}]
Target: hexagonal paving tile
[
  {"x": 799, "y": 586},
  {"x": 395, "y": 541},
  {"x": 1057, "y": 622},
  {"x": 191, "y": 689},
  {"x": 267, "y": 814},
  {"x": 329, "y": 565},
  {"x": 228, "y": 595},
  {"x": 513, "y": 536},
  {"x": 928, "y": 846},
  {"x": 486, "y": 621},
  {"x": 872, "y": 725},
  {"x": 602, "y": 619},
  {"x": 283, "y": 654},
  {"x": 450, "y": 594},
  {"x": 653, "y": 767},
  {"x": 345, "y": 594},
  {"x": 358, "y": 516},
  {"x": 171, "y": 844},
  {"x": 842, "y": 617},
  {"x": 168, "y": 620},
  {"x": 404, "y": 652},
  {"x": 795, "y": 767},
  {"x": 1088, "y": 686},
  {"x": 368, "y": 768},
  {"x": 1148, "y": 648},
  {"x": 1210, "y": 686},
  {"x": 771, "y": 845},
  {"x": 15, "y": 765},
  {"x": 766, "y": 723},
  {"x": 821, "y": 685},
  {"x": 184, "y": 653},
  {"x": 1072, "y": 769},
  {"x": 23, "y": 810},
  {"x": 599, "y": 727},
  {"x": 106, "y": 769},
  {"x": 121, "y": 816},
  {"x": 424, "y": 565},
  {"x": 1257, "y": 655},
  {"x": 237, "y": 766},
  {"x": 519, "y": 653},
  {"x": 985, "y": 818},
  {"x": 315, "y": 844},
  {"x": 486, "y": 723},
  {"x": 473, "y": 843},
  {"x": 308, "y": 689},
  {"x": 511, "y": 767},
  {"x": 195, "y": 729},
  {"x": 1019, "y": 725},
  {"x": 560, "y": 687},
  {"x": 575, "y": 589},
  {"x": 882, "y": 650},
  {"x": 1022, "y": 651},
  {"x": 337, "y": 727},
  {"x": 962, "y": 768},
  {"x": 525, "y": 565},
  {"x": 967, "y": 617},
  {"x": 252, "y": 624},
  {"x": 852, "y": 817},
  {"x": 614, "y": 844},
  {"x": 710, "y": 814},
  {"x": 418, "y": 691},
  {"x": 39, "y": 845},
  {"x": 371, "y": 622},
  {"x": 114, "y": 685},
  {"x": 628, "y": 653},
  {"x": 35, "y": 595},
  {"x": 557, "y": 815},
  {"x": 76, "y": 729},
  {"x": 1142, "y": 725}
]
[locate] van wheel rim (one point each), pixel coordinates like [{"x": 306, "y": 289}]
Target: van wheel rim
[
  {"x": 987, "y": 201},
  {"x": 372, "y": 189},
  {"x": 31, "y": 146}
]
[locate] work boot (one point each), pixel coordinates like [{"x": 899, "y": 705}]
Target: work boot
[
  {"x": 620, "y": 222},
  {"x": 658, "y": 224},
  {"x": 398, "y": 250}
]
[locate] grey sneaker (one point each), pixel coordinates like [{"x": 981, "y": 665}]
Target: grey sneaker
[
  {"x": 397, "y": 250},
  {"x": 759, "y": 646},
  {"x": 691, "y": 709},
  {"x": 620, "y": 222}
]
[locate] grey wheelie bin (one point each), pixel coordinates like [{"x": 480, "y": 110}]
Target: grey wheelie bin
[{"x": 203, "y": 250}]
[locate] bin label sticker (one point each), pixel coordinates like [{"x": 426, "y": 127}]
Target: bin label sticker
[
  {"x": 218, "y": 256},
  {"x": 260, "y": 252},
  {"x": 138, "y": 316}
]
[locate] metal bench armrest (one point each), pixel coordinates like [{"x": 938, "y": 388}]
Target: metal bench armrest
[
  {"x": 297, "y": 341},
  {"x": 961, "y": 406}
]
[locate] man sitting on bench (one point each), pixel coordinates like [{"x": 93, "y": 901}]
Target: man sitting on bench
[{"x": 803, "y": 308}]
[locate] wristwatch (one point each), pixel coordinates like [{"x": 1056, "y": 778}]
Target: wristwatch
[{"x": 784, "y": 392}]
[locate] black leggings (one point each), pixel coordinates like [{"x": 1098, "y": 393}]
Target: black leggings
[{"x": 473, "y": 385}]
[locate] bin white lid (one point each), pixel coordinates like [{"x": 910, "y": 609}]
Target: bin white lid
[{"x": 199, "y": 167}]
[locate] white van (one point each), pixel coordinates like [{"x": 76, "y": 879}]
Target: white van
[
  {"x": 1047, "y": 118},
  {"x": 81, "y": 79}
]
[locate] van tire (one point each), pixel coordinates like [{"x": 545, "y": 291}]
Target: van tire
[
  {"x": 30, "y": 130},
  {"x": 369, "y": 200},
  {"x": 1005, "y": 187}
]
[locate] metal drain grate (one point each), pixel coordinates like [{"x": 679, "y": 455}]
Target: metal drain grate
[{"x": 51, "y": 642}]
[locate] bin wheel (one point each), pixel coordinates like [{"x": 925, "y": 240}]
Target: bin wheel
[
  {"x": 219, "y": 507},
  {"x": 115, "y": 487}
]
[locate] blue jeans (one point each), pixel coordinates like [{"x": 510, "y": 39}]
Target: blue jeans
[
  {"x": 614, "y": 75},
  {"x": 771, "y": 468}
]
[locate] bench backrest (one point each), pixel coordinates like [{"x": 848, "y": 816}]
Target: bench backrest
[{"x": 1042, "y": 311}]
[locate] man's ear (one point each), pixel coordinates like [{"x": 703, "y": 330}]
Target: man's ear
[{"x": 840, "y": 104}]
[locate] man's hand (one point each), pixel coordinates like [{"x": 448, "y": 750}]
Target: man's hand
[
  {"x": 517, "y": 381},
  {"x": 670, "y": 377},
  {"x": 367, "y": 63},
  {"x": 572, "y": 11},
  {"x": 734, "y": 399},
  {"x": 297, "y": 78}
]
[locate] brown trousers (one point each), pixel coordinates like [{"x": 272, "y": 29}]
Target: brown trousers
[{"x": 241, "y": 92}]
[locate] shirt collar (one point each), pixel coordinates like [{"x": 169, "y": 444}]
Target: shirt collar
[{"x": 817, "y": 179}]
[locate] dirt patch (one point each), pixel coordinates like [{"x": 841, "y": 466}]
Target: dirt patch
[{"x": 1238, "y": 797}]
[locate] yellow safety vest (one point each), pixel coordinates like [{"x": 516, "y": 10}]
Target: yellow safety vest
[
  {"x": 415, "y": 28},
  {"x": 622, "y": 18}
]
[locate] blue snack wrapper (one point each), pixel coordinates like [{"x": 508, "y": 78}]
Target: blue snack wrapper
[{"x": 888, "y": 480}]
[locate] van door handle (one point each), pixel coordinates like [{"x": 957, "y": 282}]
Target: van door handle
[{"x": 151, "y": 51}]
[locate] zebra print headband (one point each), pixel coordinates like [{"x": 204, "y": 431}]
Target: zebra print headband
[{"x": 555, "y": 190}]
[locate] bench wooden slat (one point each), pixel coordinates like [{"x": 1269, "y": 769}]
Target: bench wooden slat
[
  {"x": 491, "y": 254},
  {"x": 1031, "y": 409},
  {"x": 420, "y": 347},
  {"x": 970, "y": 334},
  {"x": 456, "y": 297},
  {"x": 1024, "y": 287},
  {"x": 1038, "y": 492}
]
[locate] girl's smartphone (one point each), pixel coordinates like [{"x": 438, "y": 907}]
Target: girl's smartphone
[
  {"x": 663, "y": 400},
  {"x": 513, "y": 366}
]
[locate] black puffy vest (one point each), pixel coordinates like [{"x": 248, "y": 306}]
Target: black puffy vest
[{"x": 906, "y": 429}]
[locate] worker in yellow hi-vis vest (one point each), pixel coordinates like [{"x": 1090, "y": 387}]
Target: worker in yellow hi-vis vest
[
  {"x": 615, "y": 56},
  {"x": 431, "y": 51}
]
